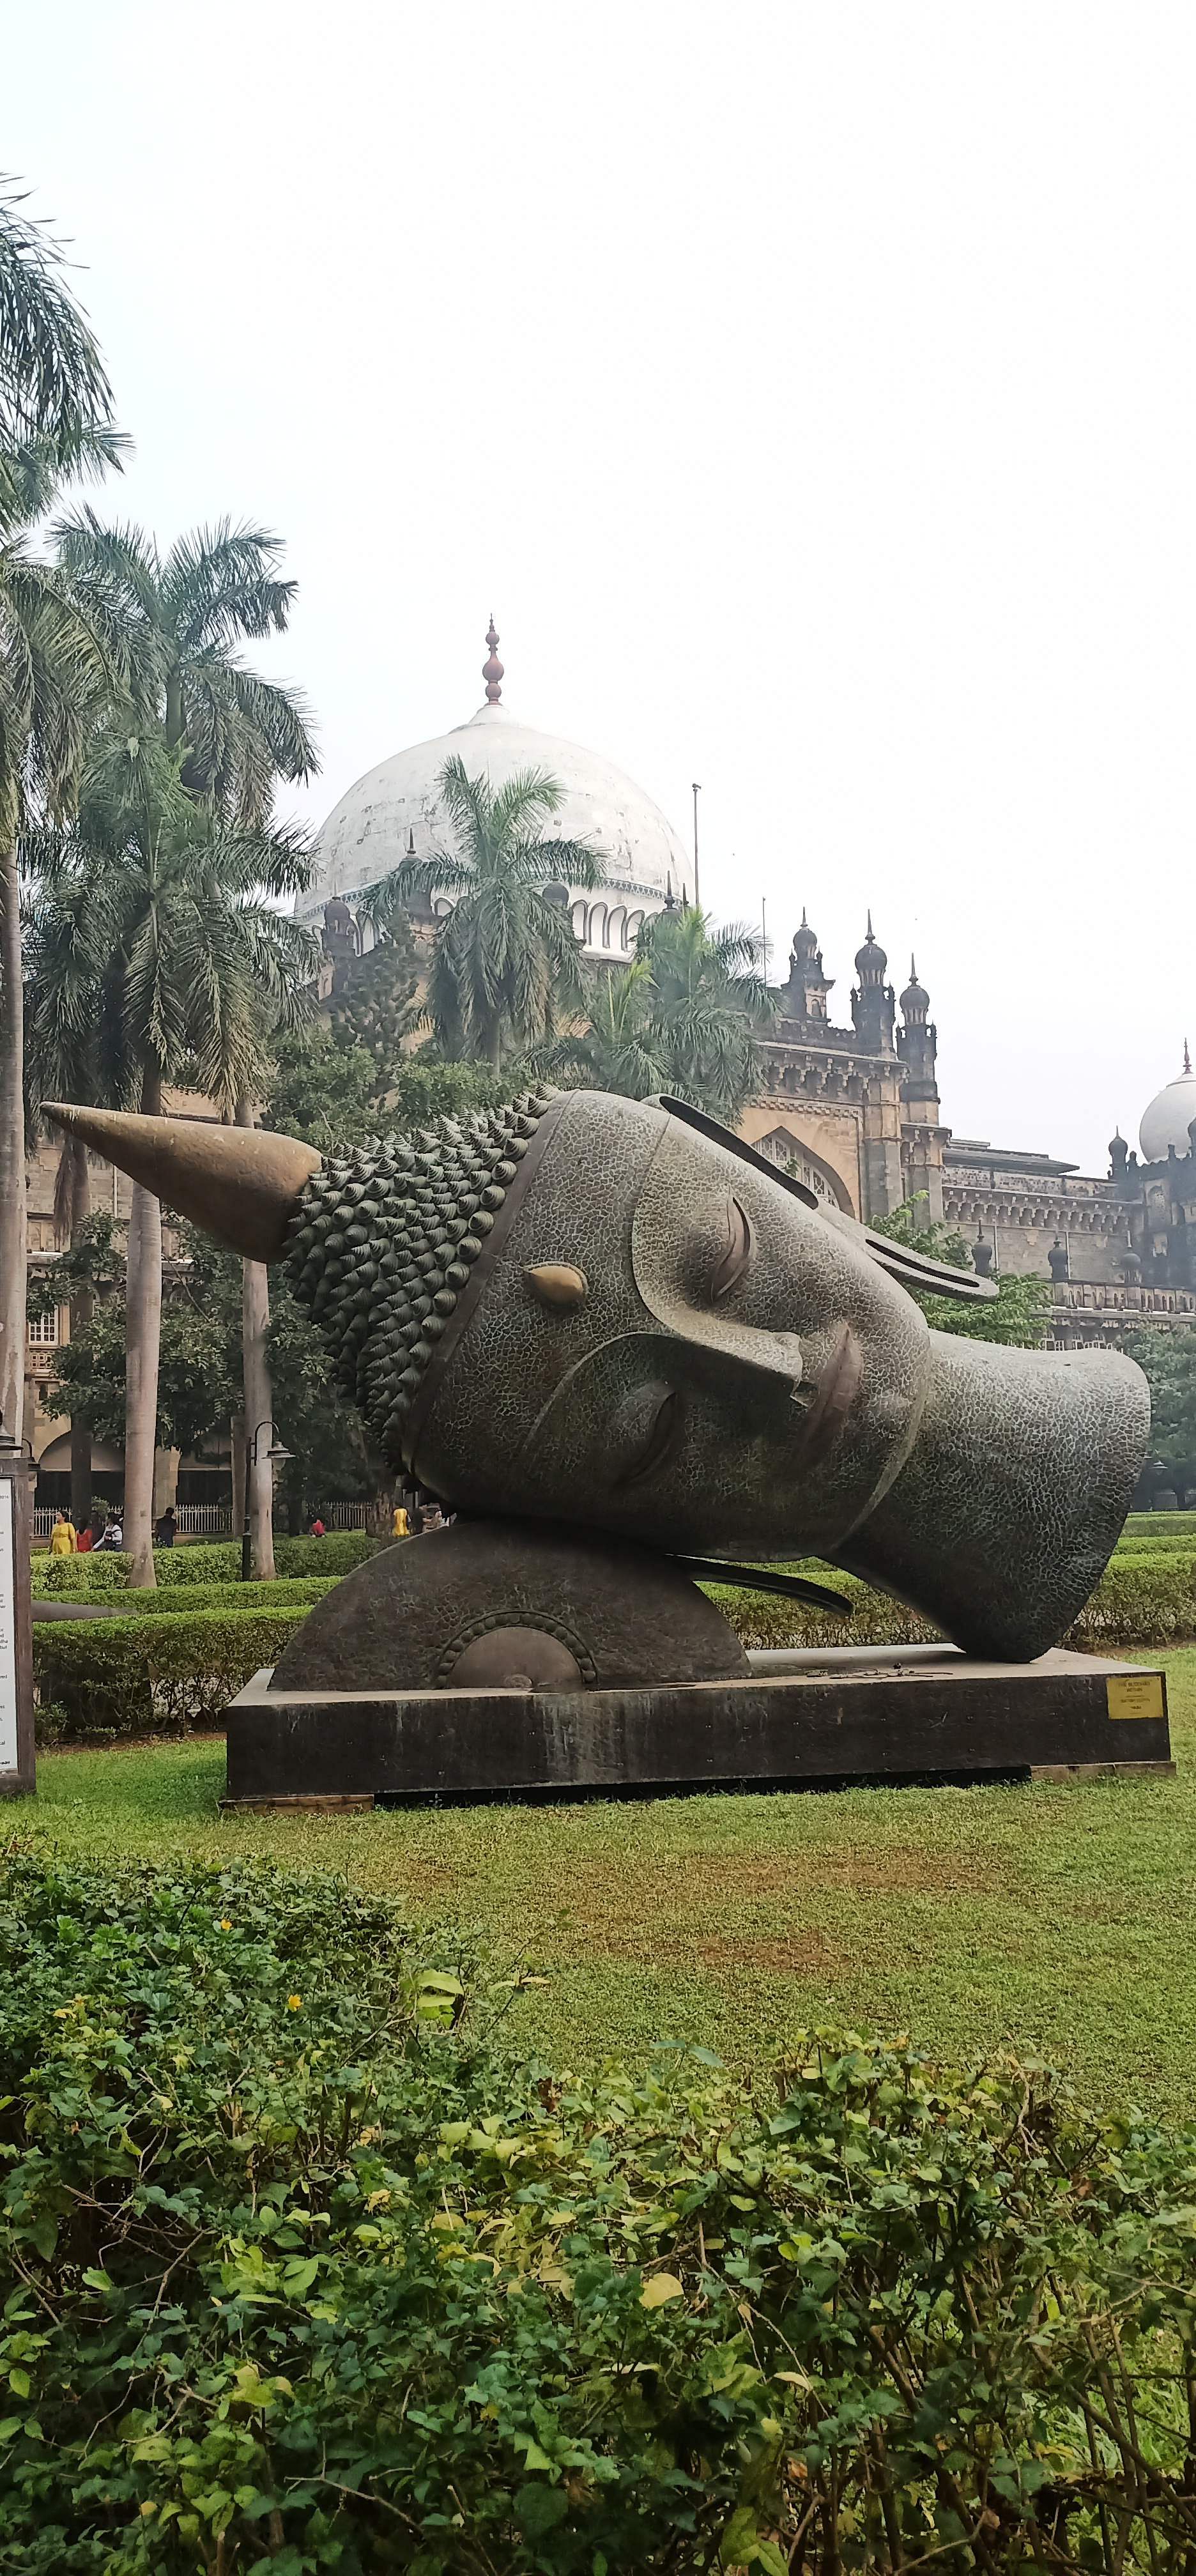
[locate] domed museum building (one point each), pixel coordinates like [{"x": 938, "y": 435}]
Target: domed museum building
[{"x": 395, "y": 812}]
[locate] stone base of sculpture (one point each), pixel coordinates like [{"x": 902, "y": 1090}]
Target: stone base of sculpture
[{"x": 807, "y": 1718}]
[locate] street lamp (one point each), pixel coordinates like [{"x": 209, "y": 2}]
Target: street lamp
[{"x": 273, "y": 1457}]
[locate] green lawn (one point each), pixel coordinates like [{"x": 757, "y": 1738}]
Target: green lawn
[{"x": 1056, "y": 1919}]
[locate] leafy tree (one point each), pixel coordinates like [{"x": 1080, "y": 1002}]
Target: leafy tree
[
  {"x": 55, "y": 419},
  {"x": 331, "y": 1091},
  {"x": 196, "y": 1372},
  {"x": 504, "y": 958},
  {"x": 172, "y": 623},
  {"x": 1168, "y": 1362},
  {"x": 1020, "y": 1312},
  {"x": 200, "y": 1368}
]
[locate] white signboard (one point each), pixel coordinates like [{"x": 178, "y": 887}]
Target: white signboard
[{"x": 8, "y": 1633}]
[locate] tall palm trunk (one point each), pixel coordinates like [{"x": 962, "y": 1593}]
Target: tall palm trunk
[
  {"x": 14, "y": 1230},
  {"x": 143, "y": 1334},
  {"x": 81, "y": 1311},
  {"x": 259, "y": 1402}
]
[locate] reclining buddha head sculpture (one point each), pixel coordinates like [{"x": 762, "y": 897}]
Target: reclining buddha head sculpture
[{"x": 613, "y": 1313}]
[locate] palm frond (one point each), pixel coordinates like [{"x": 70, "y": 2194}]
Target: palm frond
[
  {"x": 53, "y": 383},
  {"x": 219, "y": 585}
]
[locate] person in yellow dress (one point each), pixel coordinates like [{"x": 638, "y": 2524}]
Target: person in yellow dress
[
  {"x": 64, "y": 1537},
  {"x": 400, "y": 1526}
]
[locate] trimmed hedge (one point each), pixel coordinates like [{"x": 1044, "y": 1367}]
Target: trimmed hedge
[
  {"x": 182, "y": 1600},
  {"x": 300, "y": 2271},
  {"x": 296, "y": 1559},
  {"x": 1138, "y": 1602},
  {"x": 153, "y": 1674},
  {"x": 220, "y": 1561}
]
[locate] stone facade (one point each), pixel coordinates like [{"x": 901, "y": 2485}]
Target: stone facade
[{"x": 854, "y": 1111}]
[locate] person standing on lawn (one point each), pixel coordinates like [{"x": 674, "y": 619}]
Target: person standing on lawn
[{"x": 64, "y": 1537}]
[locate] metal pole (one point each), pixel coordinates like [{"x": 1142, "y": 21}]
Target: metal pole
[
  {"x": 697, "y": 893},
  {"x": 246, "y": 1564},
  {"x": 18, "y": 1770},
  {"x": 764, "y": 934}
]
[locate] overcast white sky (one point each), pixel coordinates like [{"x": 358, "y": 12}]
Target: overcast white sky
[{"x": 809, "y": 390}]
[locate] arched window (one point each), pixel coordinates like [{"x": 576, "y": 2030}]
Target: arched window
[
  {"x": 597, "y": 932},
  {"x": 616, "y": 929}
]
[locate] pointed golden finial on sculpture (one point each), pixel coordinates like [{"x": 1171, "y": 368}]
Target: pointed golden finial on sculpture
[{"x": 241, "y": 1184}]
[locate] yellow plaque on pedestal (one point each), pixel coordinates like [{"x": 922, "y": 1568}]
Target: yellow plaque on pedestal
[{"x": 1135, "y": 1695}]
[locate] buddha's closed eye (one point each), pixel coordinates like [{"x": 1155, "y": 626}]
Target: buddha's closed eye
[{"x": 734, "y": 1255}]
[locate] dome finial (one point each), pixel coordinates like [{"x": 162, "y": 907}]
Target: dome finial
[
  {"x": 492, "y": 668},
  {"x": 1187, "y": 1058}
]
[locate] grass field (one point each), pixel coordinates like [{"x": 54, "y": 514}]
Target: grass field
[{"x": 1056, "y": 1919}]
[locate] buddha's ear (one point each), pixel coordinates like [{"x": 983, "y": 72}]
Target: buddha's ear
[{"x": 912, "y": 1270}]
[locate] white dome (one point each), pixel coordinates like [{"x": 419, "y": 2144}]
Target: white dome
[
  {"x": 395, "y": 810},
  {"x": 1167, "y": 1120}
]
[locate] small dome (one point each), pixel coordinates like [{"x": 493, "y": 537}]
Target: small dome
[
  {"x": 871, "y": 960},
  {"x": 805, "y": 940},
  {"x": 915, "y": 1001},
  {"x": 1169, "y": 1116}
]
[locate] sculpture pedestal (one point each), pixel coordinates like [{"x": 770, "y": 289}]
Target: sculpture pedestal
[{"x": 804, "y": 1718}]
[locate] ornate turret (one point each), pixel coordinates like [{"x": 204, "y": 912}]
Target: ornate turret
[
  {"x": 921, "y": 1113},
  {"x": 917, "y": 1041},
  {"x": 872, "y": 1004},
  {"x": 915, "y": 1001},
  {"x": 804, "y": 996}
]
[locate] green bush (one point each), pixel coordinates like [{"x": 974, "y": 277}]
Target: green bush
[
  {"x": 301, "y": 2272},
  {"x": 220, "y": 1560},
  {"x": 153, "y": 1674},
  {"x": 296, "y": 1560},
  {"x": 181, "y": 1600},
  {"x": 95, "y": 1573}
]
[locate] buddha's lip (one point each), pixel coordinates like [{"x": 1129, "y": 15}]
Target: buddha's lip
[{"x": 834, "y": 1393}]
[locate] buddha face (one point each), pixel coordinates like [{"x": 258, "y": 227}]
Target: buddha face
[{"x": 668, "y": 1344}]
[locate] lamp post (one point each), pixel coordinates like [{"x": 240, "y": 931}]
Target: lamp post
[
  {"x": 18, "y": 1763},
  {"x": 274, "y": 1457},
  {"x": 697, "y": 891}
]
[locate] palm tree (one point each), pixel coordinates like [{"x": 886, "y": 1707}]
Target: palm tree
[
  {"x": 504, "y": 966},
  {"x": 55, "y": 398},
  {"x": 685, "y": 1017},
  {"x": 620, "y": 1049},
  {"x": 55, "y": 419},
  {"x": 182, "y": 963},
  {"x": 60, "y": 1064},
  {"x": 173, "y": 623}
]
